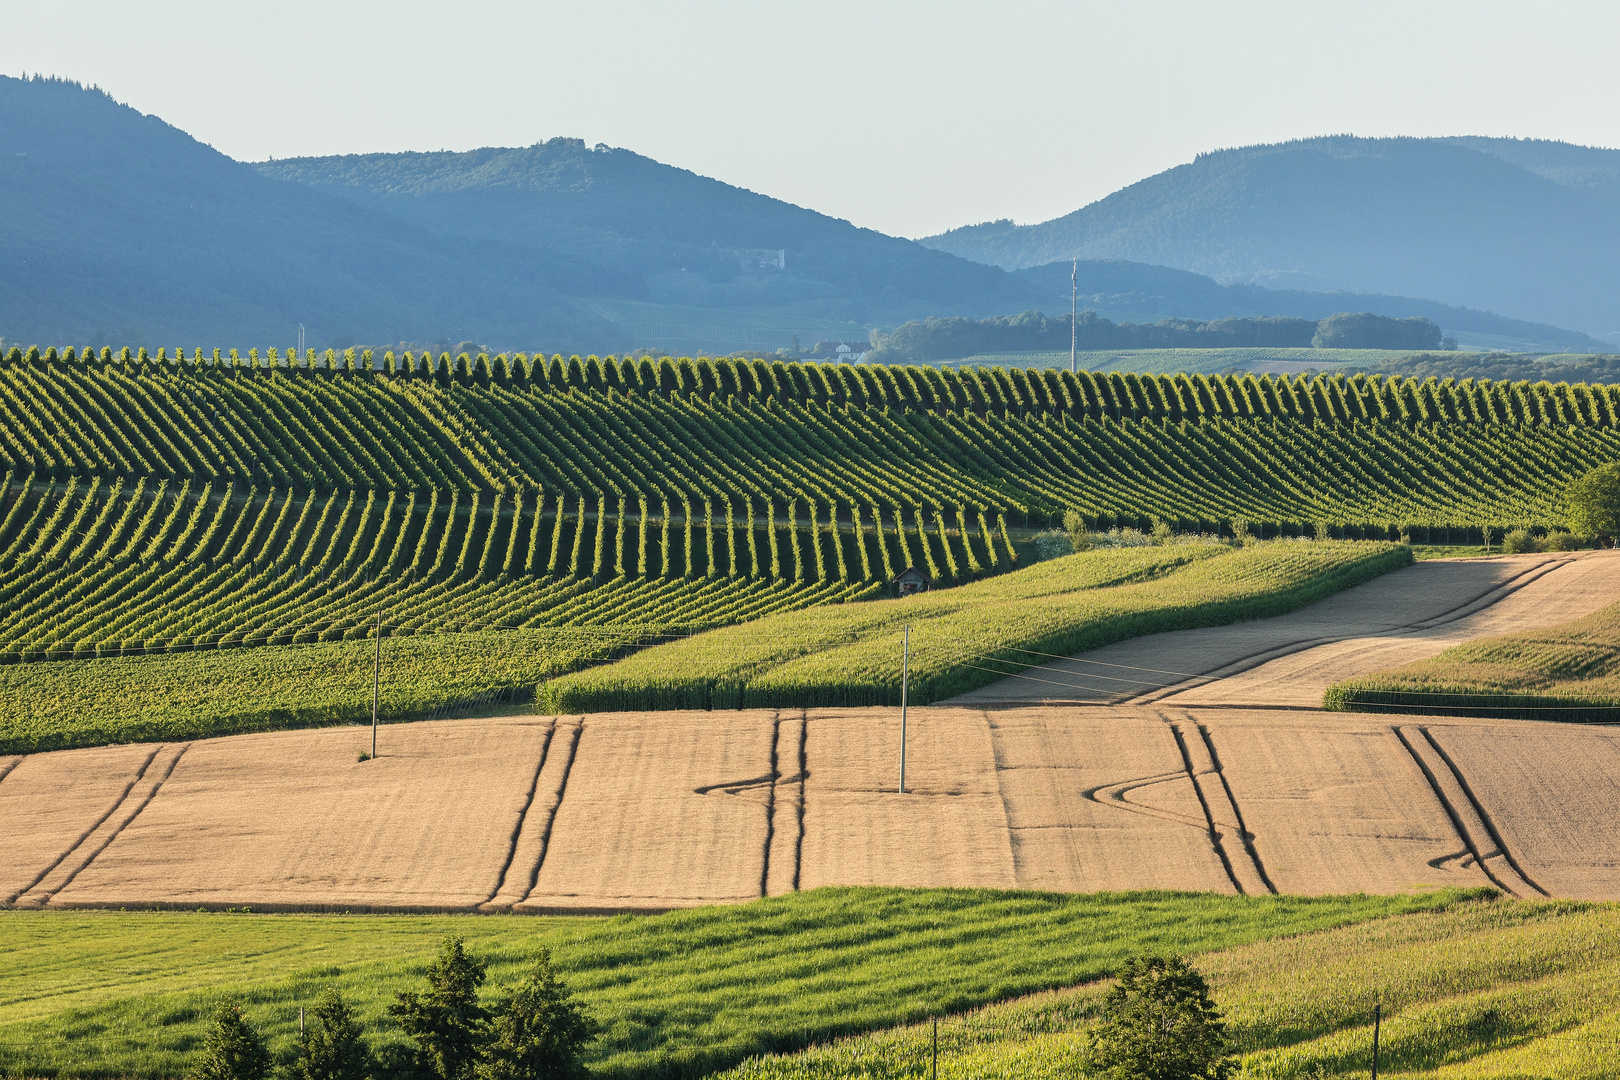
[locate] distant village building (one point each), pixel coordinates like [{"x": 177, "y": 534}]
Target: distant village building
[
  {"x": 911, "y": 580},
  {"x": 845, "y": 352},
  {"x": 764, "y": 258}
]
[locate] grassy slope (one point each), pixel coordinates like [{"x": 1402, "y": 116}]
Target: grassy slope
[
  {"x": 187, "y": 695},
  {"x": 114, "y": 994},
  {"x": 974, "y": 635},
  {"x": 1565, "y": 672},
  {"x": 1487, "y": 989}
]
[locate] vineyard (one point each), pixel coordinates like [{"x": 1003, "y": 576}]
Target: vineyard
[{"x": 180, "y": 503}]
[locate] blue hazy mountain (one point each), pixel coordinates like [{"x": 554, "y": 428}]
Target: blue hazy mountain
[{"x": 1521, "y": 227}]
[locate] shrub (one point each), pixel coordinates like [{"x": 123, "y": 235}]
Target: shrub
[
  {"x": 447, "y": 1023},
  {"x": 1563, "y": 541},
  {"x": 536, "y": 1031},
  {"x": 231, "y": 1050},
  {"x": 331, "y": 1047},
  {"x": 1593, "y": 503},
  {"x": 1520, "y": 542},
  {"x": 1160, "y": 1023}
]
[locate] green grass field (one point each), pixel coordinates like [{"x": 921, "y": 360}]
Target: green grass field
[
  {"x": 1495, "y": 989},
  {"x": 976, "y": 634},
  {"x": 120, "y": 994},
  {"x": 1170, "y": 361},
  {"x": 1565, "y": 672}
]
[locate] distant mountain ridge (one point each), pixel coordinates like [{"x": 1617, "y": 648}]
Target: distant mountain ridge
[
  {"x": 117, "y": 227},
  {"x": 697, "y": 241},
  {"x": 1522, "y": 227}
]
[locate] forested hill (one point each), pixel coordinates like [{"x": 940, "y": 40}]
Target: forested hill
[
  {"x": 698, "y": 241},
  {"x": 949, "y": 339},
  {"x": 1523, "y": 228},
  {"x": 1139, "y": 292},
  {"x": 111, "y": 220}
]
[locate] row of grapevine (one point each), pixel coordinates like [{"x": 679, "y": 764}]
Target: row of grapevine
[{"x": 91, "y": 567}]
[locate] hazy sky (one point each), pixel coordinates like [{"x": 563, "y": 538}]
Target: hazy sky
[{"x": 905, "y": 117}]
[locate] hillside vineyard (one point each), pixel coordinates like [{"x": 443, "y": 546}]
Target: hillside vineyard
[{"x": 171, "y": 500}]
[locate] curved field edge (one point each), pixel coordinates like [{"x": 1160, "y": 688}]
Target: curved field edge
[
  {"x": 1484, "y": 988},
  {"x": 1567, "y": 672},
  {"x": 683, "y": 994},
  {"x": 976, "y": 634}
]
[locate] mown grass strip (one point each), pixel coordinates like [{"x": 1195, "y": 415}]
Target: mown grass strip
[{"x": 683, "y": 994}]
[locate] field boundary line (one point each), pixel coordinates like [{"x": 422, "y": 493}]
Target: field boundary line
[
  {"x": 522, "y": 819},
  {"x": 1479, "y": 809},
  {"x": 71, "y": 848},
  {"x": 118, "y": 829},
  {"x": 577, "y": 732},
  {"x": 1465, "y": 829}
]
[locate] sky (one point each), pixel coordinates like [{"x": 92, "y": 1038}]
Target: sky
[{"x": 906, "y": 117}]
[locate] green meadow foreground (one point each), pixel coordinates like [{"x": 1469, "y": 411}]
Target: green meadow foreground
[
  {"x": 1471, "y": 985},
  {"x": 121, "y": 994}
]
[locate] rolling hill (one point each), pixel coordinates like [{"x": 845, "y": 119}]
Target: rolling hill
[
  {"x": 1521, "y": 227},
  {"x": 116, "y": 223},
  {"x": 698, "y": 242}
]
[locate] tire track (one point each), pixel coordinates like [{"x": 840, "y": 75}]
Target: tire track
[
  {"x": 82, "y": 837},
  {"x": 1230, "y": 832},
  {"x": 69, "y": 867},
  {"x": 1480, "y": 812},
  {"x": 552, "y": 800},
  {"x": 770, "y": 808},
  {"x": 5, "y": 770},
  {"x": 522, "y": 818},
  {"x": 1470, "y": 830},
  {"x": 1209, "y": 818},
  {"x": 786, "y": 838}
]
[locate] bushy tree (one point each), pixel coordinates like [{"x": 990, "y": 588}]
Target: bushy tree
[
  {"x": 231, "y": 1050},
  {"x": 446, "y": 1023},
  {"x": 1160, "y": 1023},
  {"x": 537, "y": 1030},
  {"x": 330, "y": 1047},
  {"x": 1593, "y": 503}
]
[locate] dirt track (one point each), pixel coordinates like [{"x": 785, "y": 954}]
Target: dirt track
[
  {"x": 1225, "y": 785},
  {"x": 1291, "y": 660}
]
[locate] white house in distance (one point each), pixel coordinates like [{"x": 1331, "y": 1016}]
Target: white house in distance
[{"x": 845, "y": 352}]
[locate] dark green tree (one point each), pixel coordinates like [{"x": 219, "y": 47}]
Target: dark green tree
[
  {"x": 231, "y": 1050},
  {"x": 537, "y": 1030},
  {"x": 446, "y": 1023},
  {"x": 330, "y": 1047},
  {"x": 1160, "y": 1023},
  {"x": 1593, "y": 503}
]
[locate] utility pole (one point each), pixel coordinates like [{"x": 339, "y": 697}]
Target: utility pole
[
  {"x": 376, "y": 684},
  {"x": 1378, "y": 1016},
  {"x": 905, "y": 674},
  {"x": 1074, "y": 296}
]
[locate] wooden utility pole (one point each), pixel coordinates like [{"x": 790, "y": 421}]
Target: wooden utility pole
[
  {"x": 376, "y": 685},
  {"x": 905, "y": 674},
  {"x": 1074, "y": 296}
]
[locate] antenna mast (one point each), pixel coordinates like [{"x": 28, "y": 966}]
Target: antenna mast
[{"x": 1074, "y": 294}]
